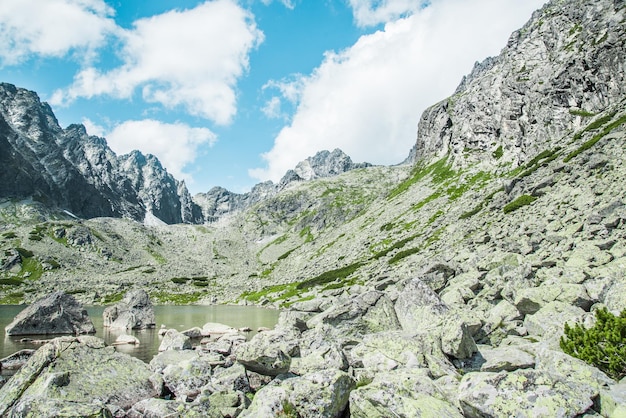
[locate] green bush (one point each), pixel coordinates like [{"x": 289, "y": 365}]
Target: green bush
[
  {"x": 523, "y": 200},
  {"x": 603, "y": 345}
]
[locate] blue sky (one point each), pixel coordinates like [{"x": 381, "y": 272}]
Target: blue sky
[{"x": 229, "y": 93}]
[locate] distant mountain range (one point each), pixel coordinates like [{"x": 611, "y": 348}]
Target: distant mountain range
[{"x": 73, "y": 171}]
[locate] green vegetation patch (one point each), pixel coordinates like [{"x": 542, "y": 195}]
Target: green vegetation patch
[
  {"x": 395, "y": 246},
  {"x": 157, "y": 257},
  {"x": 9, "y": 235},
  {"x": 176, "y": 298},
  {"x": 329, "y": 276},
  {"x": 584, "y": 147},
  {"x": 521, "y": 201},
  {"x": 498, "y": 153},
  {"x": 10, "y": 282},
  {"x": 24, "y": 253},
  {"x": 440, "y": 170},
  {"x": 603, "y": 345},
  {"x": 581, "y": 112}
]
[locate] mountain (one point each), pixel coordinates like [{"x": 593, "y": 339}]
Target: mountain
[
  {"x": 565, "y": 65},
  {"x": 219, "y": 202},
  {"x": 443, "y": 285},
  {"x": 69, "y": 169}
]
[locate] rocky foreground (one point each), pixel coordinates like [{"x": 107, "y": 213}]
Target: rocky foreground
[{"x": 399, "y": 352}]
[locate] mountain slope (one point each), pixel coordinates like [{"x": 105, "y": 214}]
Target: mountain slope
[{"x": 68, "y": 169}]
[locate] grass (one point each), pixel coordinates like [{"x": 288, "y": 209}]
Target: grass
[
  {"x": 176, "y": 298},
  {"x": 498, "y": 153},
  {"x": 521, "y": 201},
  {"x": 581, "y": 112},
  {"x": 395, "y": 246},
  {"x": 158, "y": 257},
  {"x": 439, "y": 170},
  {"x": 590, "y": 143}
]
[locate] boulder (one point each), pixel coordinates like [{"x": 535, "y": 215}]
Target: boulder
[
  {"x": 522, "y": 393},
  {"x": 135, "y": 311},
  {"x": 365, "y": 313},
  {"x": 322, "y": 394},
  {"x": 505, "y": 359},
  {"x": 77, "y": 376},
  {"x": 126, "y": 339},
  {"x": 418, "y": 307},
  {"x": 401, "y": 393},
  {"x": 16, "y": 360},
  {"x": 174, "y": 340},
  {"x": 57, "y": 313},
  {"x": 261, "y": 358},
  {"x": 186, "y": 378},
  {"x": 551, "y": 318}
]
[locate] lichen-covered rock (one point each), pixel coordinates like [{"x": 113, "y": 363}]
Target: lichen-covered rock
[
  {"x": 135, "y": 311},
  {"x": 174, "y": 340},
  {"x": 401, "y": 393},
  {"x": 322, "y": 394},
  {"x": 523, "y": 393},
  {"x": 57, "y": 313},
  {"x": 550, "y": 319},
  {"x": 418, "y": 307},
  {"x": 365, "y": 313},
  {"x": 77, "y": 370},
  {"x": 186, "y": 378},
  {"x": 263, "y": 359},
  {"x": 505, "y": 359}
]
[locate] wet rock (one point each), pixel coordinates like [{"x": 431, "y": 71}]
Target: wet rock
[
  {"x": 57, "y": 313},
  {"x": 135, "y": 311},
  {"x": 16, "y": 360}
]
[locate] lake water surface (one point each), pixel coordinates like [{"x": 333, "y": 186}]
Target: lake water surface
[{"x": 177, "y": 317}]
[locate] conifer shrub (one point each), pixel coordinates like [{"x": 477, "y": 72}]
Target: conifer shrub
[{"x": 603, "y": 345}]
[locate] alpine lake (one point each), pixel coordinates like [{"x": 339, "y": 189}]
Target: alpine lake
[{"x": 172, "y": 316}]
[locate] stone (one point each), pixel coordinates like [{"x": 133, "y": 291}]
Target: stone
[
  {"x": 262, "y": 358},
  {"x": 174, "y": 340},
  {"x": 135, "y": 311},
  {"x": 79, "y": 370},
  {"x": 418, "y": 307},
  {"x": 530, "y": 300},
  {"x": 16, "y": 360},
  {"x": 524, "y": 393},
  {"x": 214, "y": 329},
  {"x": 401, "y": 393},
  {"x": 57, "y": 313},
  {"x": 186, "y": 378},
  {"x": 321, "y": 394},
  {"x": 551, "y": 318},
  {"x": 506, "y": 359},
  {"x": 195, "y": 332},
  {"x": 126, "y": 339},
  {"x": 367, "y": 312}
]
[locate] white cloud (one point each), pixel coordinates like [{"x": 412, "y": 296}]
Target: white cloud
[
  {"x": 367, "y": 100},
  {"x": 290, "y": 4},
  {"x": 374, "y": 12},
  {"x": 52, "y": 27},
  {"x": 190, "y": 58},
  {"x": 272, "y": 108},
  {"x": 174, "y": 144}
]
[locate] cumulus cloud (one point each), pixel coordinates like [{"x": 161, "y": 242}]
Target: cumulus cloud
[
  {"x": 367, "y": 99},
  {"x": 176, "y": 145},
  {"x": 374, "y": 12},
  {"x": 190, "y": 58},
  {"x": 52, "y": 28}
]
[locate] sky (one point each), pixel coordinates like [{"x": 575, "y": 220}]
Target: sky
[{"x": 234, "y": 92}]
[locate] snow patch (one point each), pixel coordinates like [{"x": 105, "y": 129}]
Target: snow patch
[{"x": 151, "y": 220}]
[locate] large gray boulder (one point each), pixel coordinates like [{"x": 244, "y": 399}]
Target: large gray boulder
[
  {"x": 77, "y": 376},
  {"x": 57, "y": 313},
  {"x": 401, "y": 393},
  {"x": 322, "y": 394},
  {"x": 135, "y": 311},
  {"x": 522, "y": 393}
]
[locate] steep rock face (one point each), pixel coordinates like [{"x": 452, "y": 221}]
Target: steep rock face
[
  {"x": 74, "y": 171},
  {"x": 566, "y": 64},
  {"x": 218, "y": 201}
]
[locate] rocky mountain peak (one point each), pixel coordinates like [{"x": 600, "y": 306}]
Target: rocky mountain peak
[
  {"x": 326, "y": 164},
  {"x": 565, "y": 65},
  {"x": 71, "y": 170}
]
